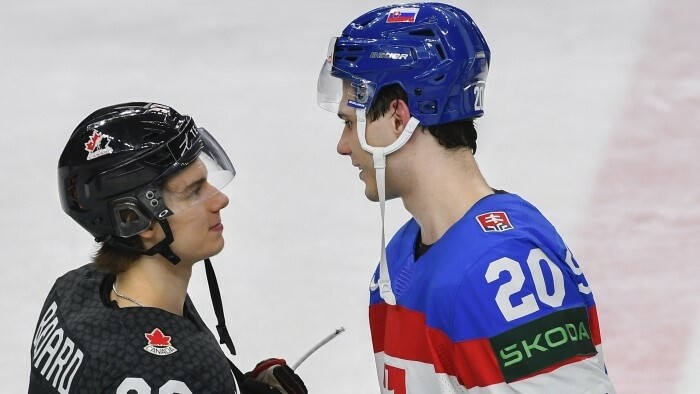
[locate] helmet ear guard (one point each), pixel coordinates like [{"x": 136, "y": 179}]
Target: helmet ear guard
[{"x": 128, "y": 218}]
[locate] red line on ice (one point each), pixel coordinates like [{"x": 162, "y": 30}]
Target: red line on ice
[{"x": 641, "y": 238}]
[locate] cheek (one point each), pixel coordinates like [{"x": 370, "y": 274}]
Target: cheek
[
  {"x": 357, "y": 140},
  {"x": 373, "y": 135},
  {"x": 189, "y": 219}
]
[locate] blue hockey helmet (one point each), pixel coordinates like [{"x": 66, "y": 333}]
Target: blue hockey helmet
[{"x": 434, "y": 51}]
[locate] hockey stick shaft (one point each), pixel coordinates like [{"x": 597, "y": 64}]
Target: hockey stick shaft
[{"x": 318, "y": 346}]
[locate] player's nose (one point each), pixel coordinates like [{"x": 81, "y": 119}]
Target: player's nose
[
  {"x": 220, "y": 201},
  {"x": 343, "y": 147}
]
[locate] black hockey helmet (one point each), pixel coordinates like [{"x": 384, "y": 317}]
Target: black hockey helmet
[{"x": 111, "y": 171}]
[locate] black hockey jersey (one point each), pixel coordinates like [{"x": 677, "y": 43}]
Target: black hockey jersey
[{"x": 84, "y": 343}]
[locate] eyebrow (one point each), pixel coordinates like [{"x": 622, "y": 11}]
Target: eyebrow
[
  {"x": 343, "y": 116},
  {"x": 198, "y": 182},
  {"x": 190, "y": 186}
]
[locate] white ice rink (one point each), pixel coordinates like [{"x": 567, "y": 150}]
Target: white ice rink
[{"x": 591, "y": 114}]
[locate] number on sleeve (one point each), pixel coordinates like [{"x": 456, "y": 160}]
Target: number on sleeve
[
  {"x": 577, "y": 270},
  {"x": 533, "y": 263},
  {"x": 527, "y": 305}
]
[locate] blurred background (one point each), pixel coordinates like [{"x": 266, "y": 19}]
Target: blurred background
[{"x": 591, "y": 114}]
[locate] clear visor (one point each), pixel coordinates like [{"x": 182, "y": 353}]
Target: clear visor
[
  {"x": 201, "y": 177},
  {"x": 201, "y": 169},
  {"x": 338, "y": 89}
]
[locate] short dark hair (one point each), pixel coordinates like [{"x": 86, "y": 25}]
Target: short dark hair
[{"x": 457, "y": 134}]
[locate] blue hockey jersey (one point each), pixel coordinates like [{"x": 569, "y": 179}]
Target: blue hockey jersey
[{"x": 497, "y": 305}]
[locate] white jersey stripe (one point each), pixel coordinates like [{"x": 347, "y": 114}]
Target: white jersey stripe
[{"x": 421, "y": 378}]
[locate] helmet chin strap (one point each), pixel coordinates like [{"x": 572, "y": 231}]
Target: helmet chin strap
[
  {"x": 379, "y": 155},
  {"x": 162, "y": 247}
]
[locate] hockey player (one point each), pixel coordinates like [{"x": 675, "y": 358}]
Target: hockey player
[
  {"x": 145, "y": 182},
  {"x": 476, "y": 293}
]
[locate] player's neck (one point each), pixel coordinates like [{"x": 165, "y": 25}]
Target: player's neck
[
  {"x": 444, "y": 190},
  {"x": 154, "y": 282}
]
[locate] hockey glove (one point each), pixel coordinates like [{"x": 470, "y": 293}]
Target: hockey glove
[{"x": 273, "y": 376}]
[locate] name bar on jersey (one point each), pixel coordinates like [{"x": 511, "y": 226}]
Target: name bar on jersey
[{"x": 54, "y": 355}]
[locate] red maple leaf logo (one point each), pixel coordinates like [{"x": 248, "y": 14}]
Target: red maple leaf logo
[
  {"x": 157, "y": 338},
  {"x": 92, "y": 143}
]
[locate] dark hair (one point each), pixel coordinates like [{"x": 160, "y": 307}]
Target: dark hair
[
  {"x": 452, "y": 135},
  {"x": 114, "y": 259}
]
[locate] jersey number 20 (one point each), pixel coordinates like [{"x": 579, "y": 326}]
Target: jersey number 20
[{"x": 528, "y": 304}]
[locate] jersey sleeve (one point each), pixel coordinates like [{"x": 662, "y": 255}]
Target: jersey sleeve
[{"x": 524, "y": 319}]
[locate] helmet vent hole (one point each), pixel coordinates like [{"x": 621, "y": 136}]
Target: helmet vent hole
[
  {"x": 441, "y": 51},
  {"x": 422, "y": 32},
  {"x": 351, "y": 58},
  {"x": 440, "y": 78},
  {"x": 72, "y": 194}
]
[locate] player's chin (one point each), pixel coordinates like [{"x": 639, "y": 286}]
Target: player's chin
[
  {"x": 371, "y": 194},
  {"x": 216, "y": 246}
]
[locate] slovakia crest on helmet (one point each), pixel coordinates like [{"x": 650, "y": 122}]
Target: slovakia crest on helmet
[
  {"x": 98, "y": 145},
  {"x": 159, "y": 343}
]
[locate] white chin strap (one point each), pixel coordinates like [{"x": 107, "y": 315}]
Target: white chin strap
[{"x": 379, "y": 155}]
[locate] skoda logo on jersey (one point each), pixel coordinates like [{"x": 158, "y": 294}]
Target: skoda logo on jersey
[{"x": 158, "y": 343}]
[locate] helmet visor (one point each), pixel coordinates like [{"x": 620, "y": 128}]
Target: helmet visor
[
  {"x": 338, "y": 88},
  {"x": 201, "y": 172}
]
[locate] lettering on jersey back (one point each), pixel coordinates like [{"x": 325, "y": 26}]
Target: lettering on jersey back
[
  {"x": 543, "y": 343},
  {"x": 55, "y": 356}
]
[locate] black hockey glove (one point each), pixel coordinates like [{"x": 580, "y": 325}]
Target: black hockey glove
[{"x": 273, "y": 376}]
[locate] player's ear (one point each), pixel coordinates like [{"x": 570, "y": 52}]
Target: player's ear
[
  {"x": 401, "y": 115},
  {"x": 149, "y": 236}
]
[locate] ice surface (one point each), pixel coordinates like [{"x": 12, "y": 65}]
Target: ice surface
[{"x": 302, "y": 240}]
